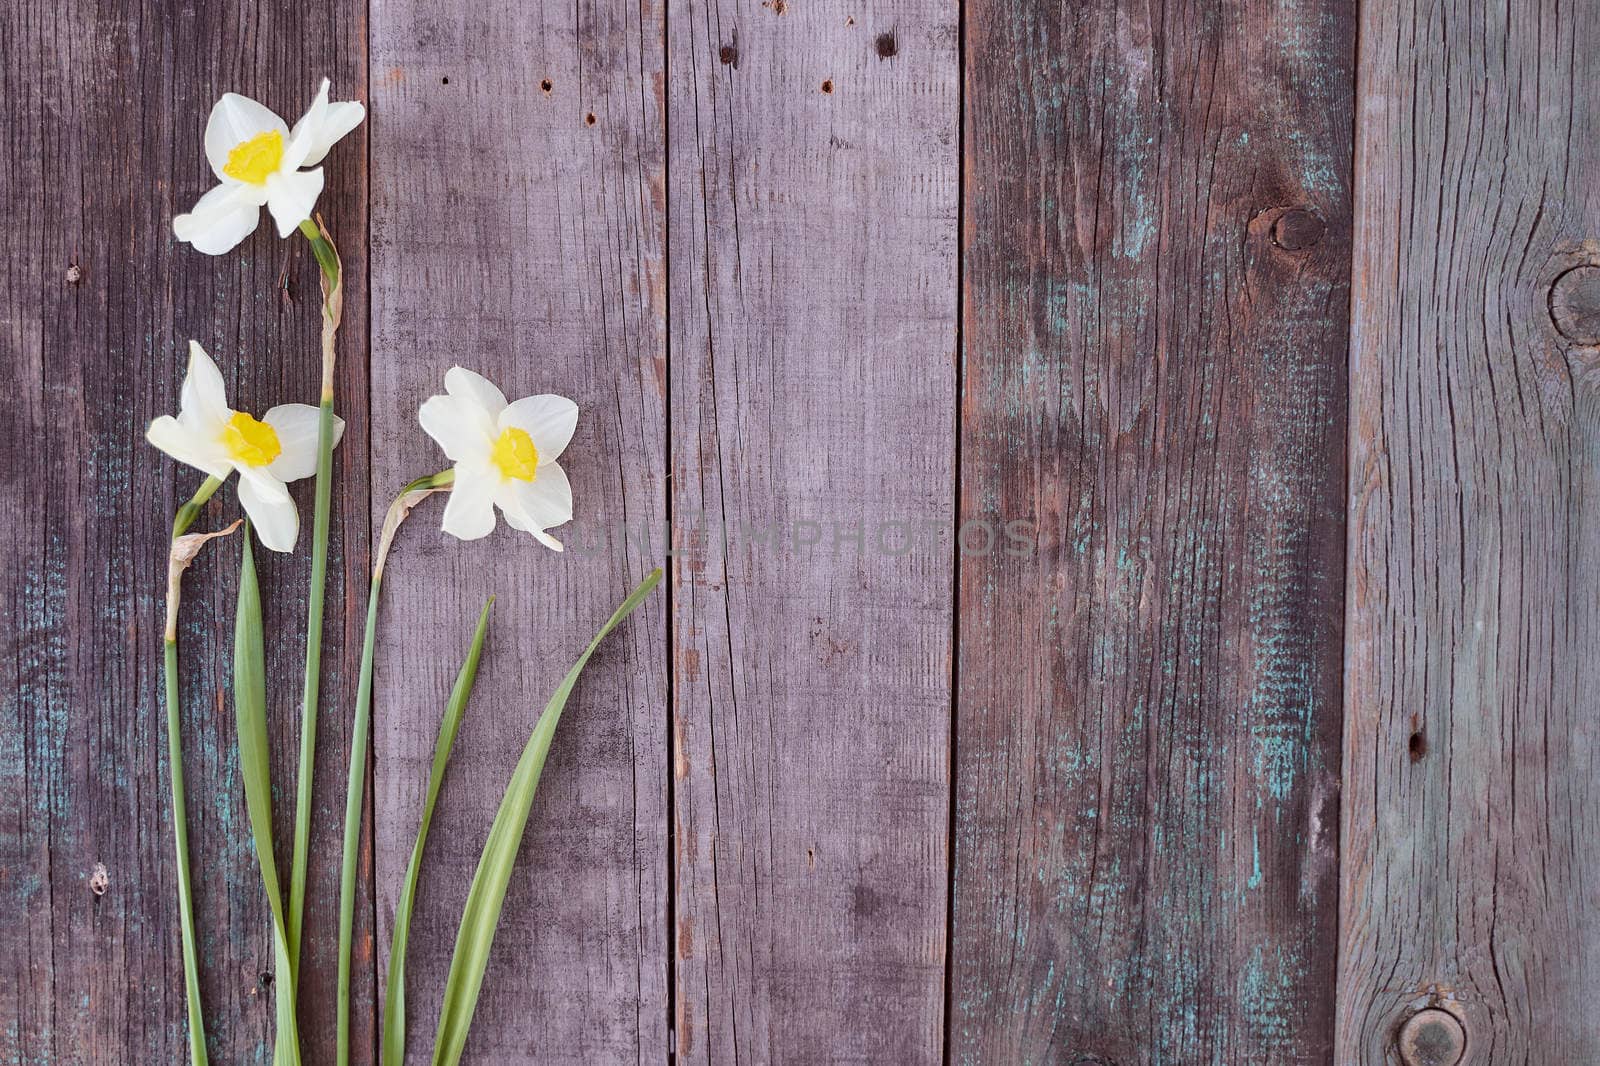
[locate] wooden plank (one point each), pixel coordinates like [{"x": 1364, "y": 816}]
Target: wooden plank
[
  {"x": 106, "y": 107},
  {"x": 519, "y": 231},
  {"x": 1156, "y": 279},
  {"x": 813, "y": 220},
  {"x": 1470, "y": 738}
]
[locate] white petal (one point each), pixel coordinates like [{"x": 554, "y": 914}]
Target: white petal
[
  {"x": 233, "y": 121},
  {"x": 203, "y": 402},
  {"x": 469, "y": 514},
  {"x": 459, "y": 426},
  {"x": 187, "y": 447},
  {"x": 274, "y": 517},
  {"x": 548, "y": 420},
  {"x": 220, "y": 220},
  {"x": 297, "y": 426},
  {"x": 464, "y": 384},
  {"x": 321, "y": 127},
  {"x": 539, "y": 504},
  {"x": 301, "y": 137},
  {"x": 292, "y": 196},
  {"x": 262, "y": 482}
]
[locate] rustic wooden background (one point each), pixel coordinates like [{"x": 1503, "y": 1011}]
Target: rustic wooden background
[{"x": 1277, "y": 323}]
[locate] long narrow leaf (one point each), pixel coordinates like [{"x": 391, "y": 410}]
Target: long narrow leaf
[
  {"x": 250, "y": 711},
  {"x": 481, "y": 915},
  {"x": 394, "y": 1007}
]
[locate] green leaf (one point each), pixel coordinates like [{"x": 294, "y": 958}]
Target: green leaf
[
  {"x": 394, "y": 1006},
  {"x": 481, "y": 915},
  {"x": 250, "y": 711}
]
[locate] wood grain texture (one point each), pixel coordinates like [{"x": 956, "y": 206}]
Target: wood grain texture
[
  {"x": 1470, "y": 739},
  {"x": 514, "y": 236},
  {"x": 813, "y": 190},
  {"x": 106, "y": 105},
  {"x": 1155, "y": 299}
]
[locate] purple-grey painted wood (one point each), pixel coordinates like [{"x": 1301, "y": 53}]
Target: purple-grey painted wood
[
  {"x": 1156, "y": 280},
  {"x": 105, "y": 108},
  {"x": 1471, "y": 737},
  {"x": 812, "y": 193},
  {"x": 518, "y": 230}
]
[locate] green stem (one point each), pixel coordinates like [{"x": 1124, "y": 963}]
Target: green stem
[
  {"x": 191, "y": 510},
  {"x": 352, "y": 819},
  {"x": 409, "y": 497},
  {"x": 332, "y": 302},
  {"x": 180, "y": 830},
  {"x": 313, "y": 677},
  {"x": 180, "y": 808}
]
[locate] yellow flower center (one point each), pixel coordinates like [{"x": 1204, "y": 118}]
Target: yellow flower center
[
  {"x": 250, "y": 442},
  {"x": 515, "y": 455},
  {"x": 253, "y": 160}
]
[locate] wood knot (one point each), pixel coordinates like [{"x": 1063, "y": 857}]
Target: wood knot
[
  {"x": 1575, "y": 304},
  {"x": 729, "y": 54},
  {"x": 1297, "y": 229},
  {"x": 886, "y": 46},
  {"x": 1432, "y": 1037}
]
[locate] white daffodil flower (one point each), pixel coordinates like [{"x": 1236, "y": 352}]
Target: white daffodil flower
[
  {"x": 210, "y": 436},
  {"x": 258, "y": 159},
  {"x": 505, "y": 456}
]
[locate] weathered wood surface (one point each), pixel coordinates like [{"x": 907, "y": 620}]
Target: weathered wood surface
[
  {"x": 99, "y": 305},
  {"x": 1157, "y": 217},
  {"x": 1470, "y": 853},
  {"x": 812, "y": 198},
  {"x": 520, "y": 232},
  {"x": 855, "y": 801}
]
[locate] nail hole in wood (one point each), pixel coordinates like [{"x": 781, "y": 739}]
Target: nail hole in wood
[
  {"x": 588, "y": 120},
  {"x": 1432, "y": 1037},
  {"x": 1297, "y": 229},
  {"x": 827, "y": 86},
  {"x": 886, "y": 45},
  {"x": 1418, "y": 746},
  {"x": 546, "y": 85},
  {"x": 1575, "y": 304},
  {"x": 265, "y": 979},
  {"x": 444, "y": 81},
  {"x": 729, "y": 55}
]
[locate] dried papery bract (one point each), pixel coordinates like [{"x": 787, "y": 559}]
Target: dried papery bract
[{"x": 184, "y": 550}]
